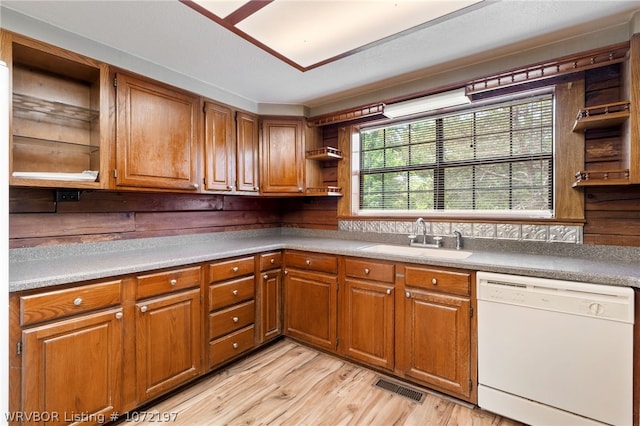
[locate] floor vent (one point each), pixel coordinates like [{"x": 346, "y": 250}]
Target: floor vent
[{"x": 400, "y": 390}]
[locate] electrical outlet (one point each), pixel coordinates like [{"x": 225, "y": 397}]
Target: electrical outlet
[{"x": 67, "y": 195}]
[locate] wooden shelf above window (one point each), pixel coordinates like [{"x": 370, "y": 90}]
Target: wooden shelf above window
[{"x": 607, "y": 115}]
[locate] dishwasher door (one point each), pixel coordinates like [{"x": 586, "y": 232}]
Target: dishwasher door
[{"x": 555, "y": 352}]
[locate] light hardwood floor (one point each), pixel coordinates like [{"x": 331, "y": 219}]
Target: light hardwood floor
[{"x": 290, "y": 384}]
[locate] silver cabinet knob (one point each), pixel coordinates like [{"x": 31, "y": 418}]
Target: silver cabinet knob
[
  {"x": 407, "y": 294},
  {"x": 78, "y": 301},
  {"x": 235, "y": 320},
  {"x": 235, "y": 269},
  {"x": 308, "y": 262},
  {"x": 265, "y": 276},
  {"x": 272, "y": 261},
  {"x": 173, "y": 282},
  {"x": 366, "y": 271},
  {"x": 143, "y": 309},
  {"x": 195, "y": 186},
  {"x": 235, "y": 345},
  {"x": 119, "y": 315},
  {"x": 235, "y": 292},
  {"x": 434, "y": 281},
  {"x": 388, "y": 291}
]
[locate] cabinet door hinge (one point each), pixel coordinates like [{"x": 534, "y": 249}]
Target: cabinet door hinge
[
  {"x": 115, "y": 81},
  {"x": 19, "y": 348},
  {"x": 471, "y": 311},
  {"x": 470, "y": 384},
  {"x": 337, "y": 341},
  {"x": 115, "y": 173}
]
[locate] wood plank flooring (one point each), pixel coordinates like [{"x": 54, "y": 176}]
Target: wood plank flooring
[{"x": 290, "y": 384}]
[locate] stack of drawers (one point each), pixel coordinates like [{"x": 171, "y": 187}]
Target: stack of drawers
[{"x": 231, "y": 309}]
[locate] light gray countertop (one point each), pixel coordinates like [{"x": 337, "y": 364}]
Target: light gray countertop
[{"x": 38, "y": 267}]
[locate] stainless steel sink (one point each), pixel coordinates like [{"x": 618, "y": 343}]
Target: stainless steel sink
[{"x": 417, "y": 251}]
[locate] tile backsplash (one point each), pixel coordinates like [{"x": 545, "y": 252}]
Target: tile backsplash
[{"x": 495, "y": 231}]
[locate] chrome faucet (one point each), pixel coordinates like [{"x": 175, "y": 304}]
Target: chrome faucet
[
  {"x": 458, "y": 236},
  {"x": 437, "y": 241}
]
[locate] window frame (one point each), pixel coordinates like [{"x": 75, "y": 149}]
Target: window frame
[{"x": 568, "y": 202}]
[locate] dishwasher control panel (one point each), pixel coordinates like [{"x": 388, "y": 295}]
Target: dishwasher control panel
[{"x": 596, "y": 300}]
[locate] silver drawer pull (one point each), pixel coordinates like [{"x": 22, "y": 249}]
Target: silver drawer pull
[
  {"x": 407, "y": 294},
  {"x": 173, "y": 282},
  {"x": 366, "y": 271},
  {"x": 434, "y": 281},
  {"x": 235, "y": 345},
  {"x": 235, "y": 269},
  {"x": 265, "y": 276},
  {"x": 143, "y": 309},
  {"x": 388, "y": 291},
  {"x": 119, "y": 315},
  {"x": 308, "y": 262},
  {"x": 273, "y": 261},
  {"x": 78, "y": 301},
  {"x": 234, "y": 319},
  {"x": 235, "y": 292}
]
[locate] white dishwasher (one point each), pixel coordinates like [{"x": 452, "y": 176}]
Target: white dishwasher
[{"x": 555, "y": 352}]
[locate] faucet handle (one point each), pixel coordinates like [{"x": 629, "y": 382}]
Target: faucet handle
[
  {"x": 412, "y": 238},
  {"x": 438, "y": 241}
]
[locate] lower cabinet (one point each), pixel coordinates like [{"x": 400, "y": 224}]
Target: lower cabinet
[
  {"x": 367, "y": 300},
  {"x": 231, "y": 301},
  {"x": 168, "y": 342},
  {"x": 74, "y": 370},
  {"x": 270, "y": 296},
  {"x": 71, "y": 340},
  {"x": 310, "y": 295},
  {"x": 436, "y": 348}
]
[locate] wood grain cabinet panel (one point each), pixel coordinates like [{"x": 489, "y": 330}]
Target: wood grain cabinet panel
[
  {"x": 247, "y": 153},
  {"x": 73, "y": 367},
  {"x": 156, "y": 135},
  {"x": 282, "y": 157},
  {"x": 437, "y": 347},
  {"x": 168, "y": 342},
  {"x": 219, "y": 153},
  {"x": 311, "y": 299}
]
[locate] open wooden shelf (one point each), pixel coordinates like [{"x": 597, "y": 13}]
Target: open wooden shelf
[
  {"x": 607, "y": 115},
  {"x": 325, "y": 153},
  {"x": 332, "y": 191},
  {"x": 602, "y": 177}
]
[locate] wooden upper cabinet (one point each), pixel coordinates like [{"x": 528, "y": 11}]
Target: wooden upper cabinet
[
  {"x": 218, "y": 148},
  {"x": 59, "y": 118},
  {"x": 230, "y": 160},
  {"x": 282, "y": 156},
  {"x": 247, "y": 149},
  {"x": 156, "y": 135}
]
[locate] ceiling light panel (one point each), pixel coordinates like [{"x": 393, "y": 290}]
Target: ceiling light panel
[
  {"x": 221, "y": 8},
  {"x": 312, "y": 31}
]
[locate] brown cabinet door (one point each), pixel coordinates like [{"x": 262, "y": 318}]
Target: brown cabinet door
[
  {"x": 282, "y": 157},
  {"x": 437, "y": 341},
  {"x": 218, "y": 148},
  {"x": 74, "y": 367},
  {"x": 156, "y": 135},
  {"x": 368, "y": 322},
  {"x": 270, "y": 296},
  {"x": 311, "y": 307},
  {"x": 168, "y": 342},
  {"x": 247, "y": 148}
]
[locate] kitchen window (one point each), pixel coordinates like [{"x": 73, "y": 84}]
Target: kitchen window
[{"x": 494, "y": 160}]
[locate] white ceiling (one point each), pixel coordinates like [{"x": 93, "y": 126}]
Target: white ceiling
[{"x": 171, "y": 35}]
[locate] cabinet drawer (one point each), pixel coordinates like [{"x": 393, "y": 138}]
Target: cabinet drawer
[
  {"x": 221, "y": 271},
  {"x": 61, "y": 303},
  {"x": 270, "y": 261},
  {"x": 228, "y": 320},
  {"x": 232, "y": 292},
  {"x": 370, "y": 270},
  {"x": 438, "y": 280},
  {"x": 312, "y": 261},
  {"x": 231, "y": 345},
  {"x": 168, "y": 281}
]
